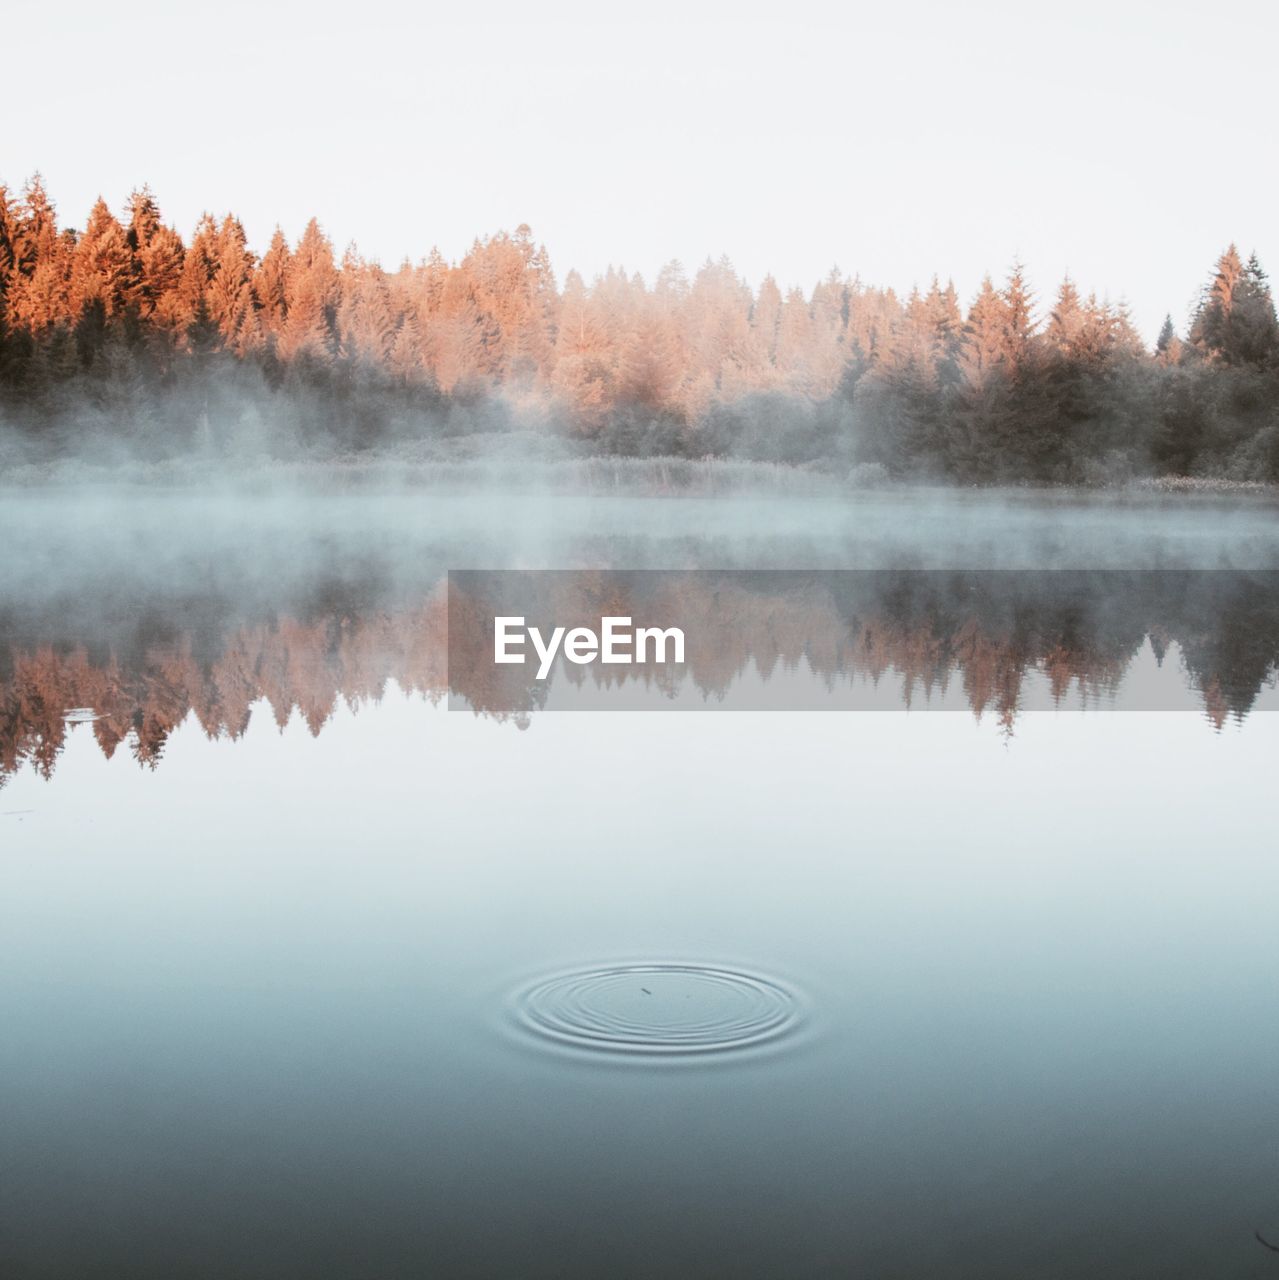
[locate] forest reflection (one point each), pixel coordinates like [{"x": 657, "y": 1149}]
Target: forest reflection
[{"x": 139, "y": 673}]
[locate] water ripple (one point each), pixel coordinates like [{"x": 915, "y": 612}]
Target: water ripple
[{"x": 658, "y": 1010}]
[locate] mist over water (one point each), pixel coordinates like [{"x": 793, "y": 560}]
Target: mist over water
[
  {"x": 303, "y": 973},
  {"x": 250, "y": 530}
]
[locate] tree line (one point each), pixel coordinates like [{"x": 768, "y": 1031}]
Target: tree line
[{"x": 123, "y": 334}]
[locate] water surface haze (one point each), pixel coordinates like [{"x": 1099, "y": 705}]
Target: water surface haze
[{"x": 316, "y": 960}]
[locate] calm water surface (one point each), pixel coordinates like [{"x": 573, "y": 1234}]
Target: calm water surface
[{"x": 304, "y": 974}]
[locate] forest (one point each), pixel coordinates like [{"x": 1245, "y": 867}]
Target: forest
[{"x": 121, "y": 340}]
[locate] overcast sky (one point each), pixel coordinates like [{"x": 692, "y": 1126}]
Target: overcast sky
[{"x": 1124, "y": 142}]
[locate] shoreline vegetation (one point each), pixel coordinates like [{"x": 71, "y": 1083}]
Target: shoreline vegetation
[{"x": 125, "y": 349}]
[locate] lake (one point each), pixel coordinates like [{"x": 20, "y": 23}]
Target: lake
[{"x": 921, "y": 925}]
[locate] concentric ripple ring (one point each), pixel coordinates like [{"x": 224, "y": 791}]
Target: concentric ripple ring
[{"x": 658, "y": 1009}]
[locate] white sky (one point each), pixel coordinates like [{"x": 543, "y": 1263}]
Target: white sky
[{"x": 1124, "y": 142}]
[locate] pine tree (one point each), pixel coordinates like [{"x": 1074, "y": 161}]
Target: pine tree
[
  {"x": 405, "y": 357},
  {"x": 456, "y": 335},
  {"x": 366, "y": 322},
  {"x": 37, "y": 294},
  {"x": 945, "y": 324},
  {"x": 1019, "y": 318},
  {"x": 1066, "y": 321},
  {"x": 584, "y": 372},
  {"x": 190, "y": 305},
  {"x": 828, "y": 307},
  {"x": 795, "y": 342},
  {"x": 647, "y": 371},
  {"x": 435, "y": 274},
  {"x": 229, "y": 293},
  {"x": 311, "y": 295},
  {"x": 1124, "y": 338},
  {"x": 986, "y": 343},
  {"x": 765, "y": 318},
  {"x": 6, "y": 254},
  {"x": 546, "y": 304},
  {"x": 34, "y": 227},
  {"x": 1168, "y": 345},
  {"x": 158, "y": 255},
  {"x": 1235, "y": 319},
  {"x": 269, "y": 285},
  {"x": 1255, "y": 330},
  {"x": 102, "y": 268},
  {"x": 144, "y": 217}
]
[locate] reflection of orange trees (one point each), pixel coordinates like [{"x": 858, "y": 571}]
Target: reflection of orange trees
[
  {"x": 302, "y": 667},
  {"x": 989, "y": 643},
  {"x": 732, "y": 627},
  {"x": 926, "y": 640}
]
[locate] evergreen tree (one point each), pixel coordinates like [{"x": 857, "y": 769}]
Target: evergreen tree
[
  {"x": 6, "y": 254},
  {"x": 945, "y": 325},
  {"x": 987, "y": 339},
  {"x": 33, "y": 227},
  {"x": 366, "y": 321},
  {"x": 1235, "y": 321},
  {"x": 1168, "y": 345},
  {"x": 1018, "y": 317},
  {"x": 1255, "y": 329},
  {"x": 405, "y": 357},
  {"x": 37, "y": 294},
  {"x": 229, "y": 293},
  {"x": 102, "y": 267},
  {"x": 765, "y": 319},
  {"x": 1066, "y": 320},
  {"x": 199, "y": 332},
  {"x": 310, "y": 294},
  {"x": 269, "y": 285},
  {"x": 158, "y": 255}
]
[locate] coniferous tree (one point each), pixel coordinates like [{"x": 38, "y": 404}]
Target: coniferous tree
[
  {"x": 945, "y": 324},
  {"x": 37, "y": 295},
  {"x": 1018, "y": 317},
  {"x": 1255, "y": 330},
  {"x": 765, "y": 320},
  {"x": 1168, "y": 345},
  {"x": 310, "y": 296},
  {"x": 1210, "y": 330},
  {"x": 229, "y": 293},
  {"x": 6, "y": 254},
  {"x": 405, "y": 357},
  {"x": 366, "y": 321},
  {"x": 158, "y": 255},
  {"x": 269, "y": 285},
  {"x": 583, "y": 372},
  {"x": 1065, "y": 321},
  {"x": 986, "y": 345},
  {"x": 102, "y": 281},
  {"x": 199, "y": 333}
]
